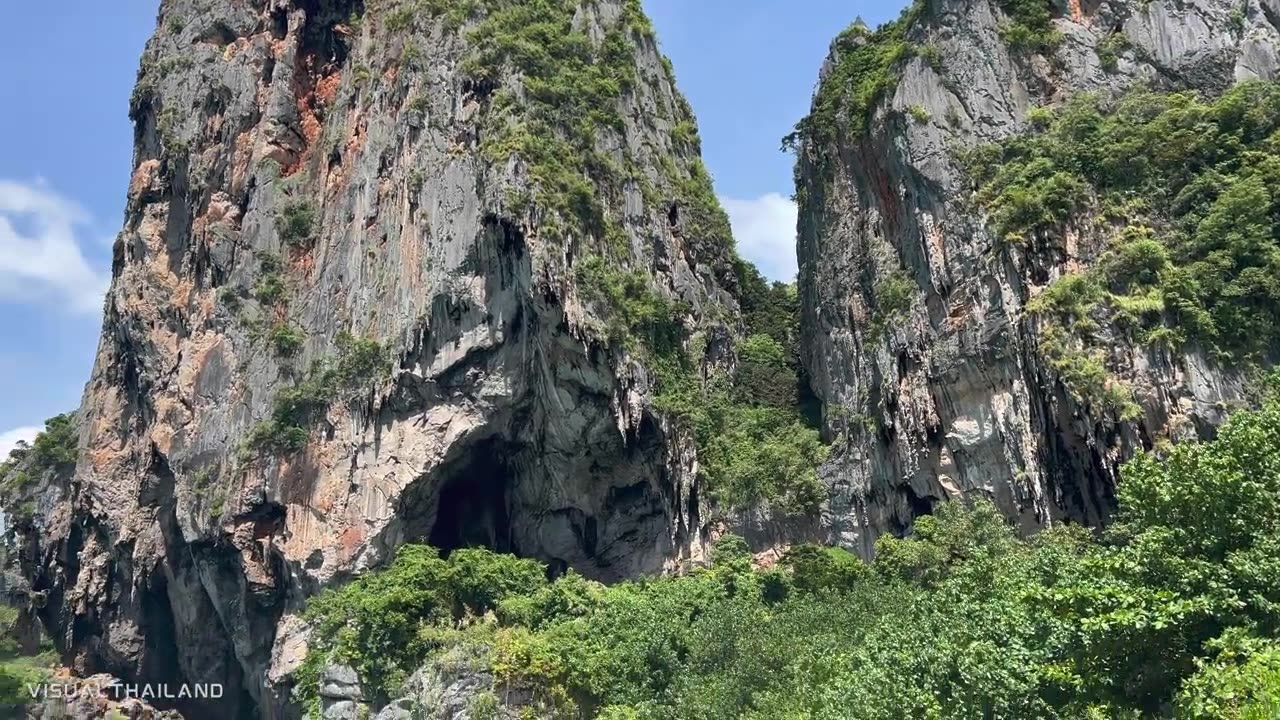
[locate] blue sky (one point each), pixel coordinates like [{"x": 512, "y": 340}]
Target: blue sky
[{"x": 747, "y": 66}]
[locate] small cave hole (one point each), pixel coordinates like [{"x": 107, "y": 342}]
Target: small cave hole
[
  {"x": 919, "y": 505},
  {"x": 473, "y": 509},
  {"x": 268, "y": 71},
  {"x": 279, "y": 23},
  {"x": 218, "y": 34},
  {"x": 478, "y": 88}
]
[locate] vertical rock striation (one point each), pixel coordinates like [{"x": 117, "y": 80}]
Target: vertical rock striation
[
  {"x": 378, "y": 283},
  {"x": 932, "y": 373}
]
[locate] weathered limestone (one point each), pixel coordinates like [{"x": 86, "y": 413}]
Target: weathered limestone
[
  {"x": 177, "y": 552},
  {"x": 953, "y": 399}
]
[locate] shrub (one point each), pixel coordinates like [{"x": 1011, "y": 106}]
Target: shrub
[
  {"x": 894, "y": 294},
  {"x": 270, "y": 288},
  {"x": 1030, "y": 26},
  {"x": 685, "y": 134},
  {"x": 286, "y": 340},
  {"x": 376, "y": 622},
  {"x": 55, "y": 449},
  {"x": 1241, "y": 683},
  {"x": 636, "y": 314},
  {"x": 295, "y": 223},
  {"x": 757, "y": 455},
  {"x": 572, "y": 89},
  {"x": 1109, "y": 51},
  {"x": 932, "y": 55},
  {"x": 765, "y": 375},
  {"x": 229, "y": 297},
  {"x": 815, "y": 568},
  {"x": 919, "y": 115},
  {"x": 297, "y": 408}
]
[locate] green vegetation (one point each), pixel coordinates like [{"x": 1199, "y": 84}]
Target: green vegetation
[
  {"x": 270, "y": 288},
  {"x": 685, "y": 134},
  {"x": 1174, "y": 611},
  {"x": 894, "y": 294},
  {"x": 755, "y": 454},
  {"x": 1068, "y": 306},
  {"x": 573, "y": 87},
  {"x": 753, "y": 445},
  {"x": 18, "y": 669},
  {"x": 207, "y": 486},
  {"x": 286, "y": 340},
  {"x": 55, "y": 449},
  {"x": 1239, "y": 16},
  {"x": 296, "y": 224},
  {"x": 298, "y": 408},
  {"x": 1185, "y": 188},
  {"x": 869, "y": 66},
  {"x": 919, "y": 115},
  {"x": 169, "y": 127},
  {"x": 1109, "y": 51},
  {"x": 757, "y": 444},
  {"x": 637, "y": 315},
  {"x": 454, "y": 13},
  {"x": 383, "y": 623},
  {"x": 931, "y": 54},
  {"x": 1030, "y": 26},
  {"x": 27, "y": 658},
  {"x": 229, "y": 297}
]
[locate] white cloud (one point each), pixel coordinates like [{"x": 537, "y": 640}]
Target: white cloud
[
  {"x": 9, "y": 440},
  {"x": 40, "y": 250},
  {"x": 765, "y": 229}
]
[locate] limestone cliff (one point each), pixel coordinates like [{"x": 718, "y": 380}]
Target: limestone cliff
[
  {"x": 936, "y": 380},
  {"x": 387, "y": 273}
]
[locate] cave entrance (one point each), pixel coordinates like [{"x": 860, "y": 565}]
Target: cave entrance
[{"x": 474, "y": 505}]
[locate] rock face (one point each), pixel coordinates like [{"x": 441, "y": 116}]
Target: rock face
[
  {"x": 357, "y": 302},
  {"x": 951, "y": 396},
  {"x": 458, "y": 685}
]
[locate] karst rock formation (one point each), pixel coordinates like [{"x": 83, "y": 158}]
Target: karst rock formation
[{"x": 376, "y": 279}]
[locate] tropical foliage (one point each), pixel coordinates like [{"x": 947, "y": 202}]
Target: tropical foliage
[
  {"x": 1174, "y": 611},
  {"x": 1183, "y": 190}
]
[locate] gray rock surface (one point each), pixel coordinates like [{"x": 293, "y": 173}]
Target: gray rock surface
[
  {"x": 339, "y": 682},
  {"x": 458, "y": 686},
  {"x": 174, "y": 552},
  {"x": 952, "y": 399}
]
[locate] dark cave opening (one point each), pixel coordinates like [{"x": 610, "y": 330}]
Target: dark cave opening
[
  {"x": 474, "y": 505},
  {"x": 917, "y": 506}
]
